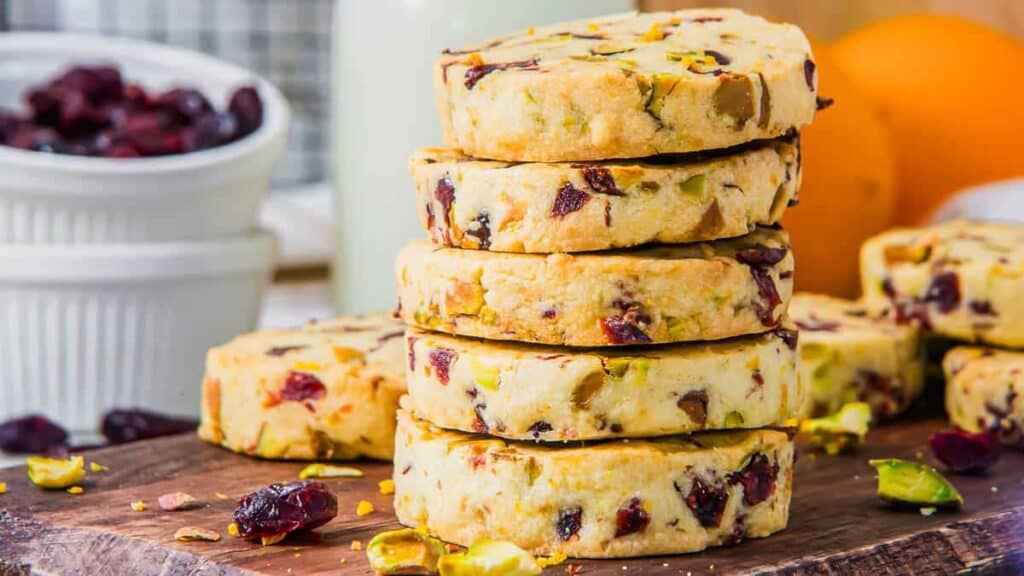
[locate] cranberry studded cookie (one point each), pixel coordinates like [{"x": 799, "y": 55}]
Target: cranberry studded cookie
[
  {"x": 647, "y": 295},
  {"x": 984, "y": 389},
  {"x": 846, "y": 356},
  {"x": 627, "y": 86},
  {"x": 531, "y": 392},
  {"x": 668, "y": 495},
  {"x": 961, "y": 280},
  {"x": 557, "y": 207},
  {"x": 325, "y": 390}
]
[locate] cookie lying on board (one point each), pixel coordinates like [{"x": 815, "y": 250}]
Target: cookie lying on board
[{"x": 983, "y": 391}]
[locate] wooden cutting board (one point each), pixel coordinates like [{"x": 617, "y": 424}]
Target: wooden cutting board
[{"x": 837, "y": 526}]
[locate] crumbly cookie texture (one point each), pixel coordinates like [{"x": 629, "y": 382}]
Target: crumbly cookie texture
[
  {"x": 961, "y": 280},
  {"x": 327, "y": 390},
  {"x": 559, "y": 207},
  {"x": 627, "y": 86},
  {"x": 846, "y": 355},
  {"x": 658, "y": 294},
  {"x": 669, "y": 495},
  {"x": 523, "y": 391},
  {"x": 983, "y": 391}
]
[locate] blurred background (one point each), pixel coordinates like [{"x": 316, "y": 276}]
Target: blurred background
[{"x": 926, "y": 125}]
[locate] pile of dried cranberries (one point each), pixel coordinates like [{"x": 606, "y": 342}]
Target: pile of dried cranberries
[{"x": 91, "y": 111}]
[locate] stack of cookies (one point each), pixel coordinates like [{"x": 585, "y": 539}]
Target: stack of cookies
[{"x": 599, "y": 345}]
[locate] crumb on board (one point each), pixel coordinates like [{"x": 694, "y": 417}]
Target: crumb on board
[{"x": 138, "y": 506}]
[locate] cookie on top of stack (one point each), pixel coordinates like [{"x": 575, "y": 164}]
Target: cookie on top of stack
[{"x": 599, "y": 351}]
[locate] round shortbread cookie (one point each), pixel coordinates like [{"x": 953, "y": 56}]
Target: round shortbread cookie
[
  {"x": 325, "y": 390},
  {"x": 846, "y": 356},
  {"x": 627, "y": 86},
  {"x": 657, "y": 294},
  {"x": 558, "y": 207},
  {"x": 961, "y": 280},
  {"x": 620, "y": 498},
  {"x": 525, "y": 391},
  {"x": 983, "y": 391}
]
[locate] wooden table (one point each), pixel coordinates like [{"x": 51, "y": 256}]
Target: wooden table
[{"x": 837, "y": 525}]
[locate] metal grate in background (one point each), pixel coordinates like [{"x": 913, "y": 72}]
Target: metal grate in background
[{"x": 287, "y": 41}]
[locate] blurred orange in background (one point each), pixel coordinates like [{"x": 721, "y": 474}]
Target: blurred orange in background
[
  {"x": 950, "y": 94},
  {"x": 849, "y": 185}
]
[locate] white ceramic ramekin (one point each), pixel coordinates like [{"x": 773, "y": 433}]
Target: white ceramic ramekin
[
  {"x": 87, "y": 328},
  {"x": 60, "y": 199}
]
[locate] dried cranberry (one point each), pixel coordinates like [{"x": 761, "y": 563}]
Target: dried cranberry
[
  {"x": 282, "y": 350},
  {"x": 823, "y": 103},
  {"x": 766, "y": 289},
  {"x": 549, "y": 313},
  {"x": 475, "y": 73},
  {"x": 761, "y": 255},
  {"x": 631, "y": 518},
  {"x": 738, "y": 532},
  {"x": 600, "y": 180},
  {"x": 695, "y": 404},
  {"x": 790, "y": 337},
  {"x": 809, "y": 73},
  {"x": 444, "y": 192},
  {"x": 479, "y": 424},
  {"x": 944, "y": 291},
  {"x": 34, "y": 434},
  {"x": 441, "y": 359},
  {"x": 188, "y": 104},
  {"x": 481, "y": 231},
  {"x": 963, "y": 451},
  {"x": 210, "y": 131},
  {"x": 620, "y": 330},
  {"x": 121, "y": 426},
  {"x": 757, "y": 478},
  {"x": 279, "y": 509},
  {"x": 757, "y": 377},
  {"x": 720, "y": 59},
  {"x": 539, "y": 427},
  {"x": 569, "y": 199},
  {"x": 813, "y": 324},
  {"x": 302, "y": 386},
  {"x": 245, "y": 105},
  {"x": 410, "y": 343},
  {"x": 706, "y": 501},
  {"x": 570, "y": 520},
  {"x": 982, "y": 308}
]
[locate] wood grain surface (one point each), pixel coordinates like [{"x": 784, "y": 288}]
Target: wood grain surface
[{"x": 837, "y": 526}]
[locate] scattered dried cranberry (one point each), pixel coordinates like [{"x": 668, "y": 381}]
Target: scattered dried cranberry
[
  {"x": 482, "y": 230},
  {"x": 441, "y": 359},
  {"x": 302, "y": 386},
  {"x": 761, "y": 255},
  {"x": 90, "y": 111},
  {"x": 570, "y": 520},
  {"x": 707, "y": 502},
  {"x": 982, "y": 308},
  {"x": 631, "y": 518},
  {"x": 963, "y": 451},
  {"x": 944, "y": 291},
  {"x": 600, "y": 180},
  {"x": 619, "y": 330},
  {"x": 34, "y": 434},
  {"x": 279, "y": 509},
  {"x": 475, "y": 73},
  {"x": 569, "y": 199},
  {"x": 757, "y": 478},
  {"x": 121, "y": 426},
  {"x": 444, "y": 192}
]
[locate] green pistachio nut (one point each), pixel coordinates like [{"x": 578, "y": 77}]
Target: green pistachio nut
[
  {"x": 915, "y": 484},
  {"x": 405, "y": 551},
  {"x": 841, "y": 431},
  {"x": 54, "y": 473},
  {"x": 490, "y": 558}
]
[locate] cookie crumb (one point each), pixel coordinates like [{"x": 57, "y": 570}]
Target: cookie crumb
[
  {"x": 76, "y": 490},
  {"x": 193, "y": 534},
  {"x": 174, "y": 501},
  {"x": 364, "y": 508},
  {"x": 138, "y": 506},
  {"x": 387, "y": 486},
  {"x": 3, "y": 487},
  {"x": 97, "y": 467},
  {"x": 356, "y": 545}
]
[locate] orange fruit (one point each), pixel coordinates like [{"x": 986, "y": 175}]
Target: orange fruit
[
  {"x": 848, "y": 192},
  {"x": 949, "y": 90}
]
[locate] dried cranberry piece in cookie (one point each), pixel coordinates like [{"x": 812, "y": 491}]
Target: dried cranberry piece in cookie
[
  {"x": 944, "y": 291},
  {"x": 620, "y": 330},
  {"x": 570, "y": 520},
  {"x": 706, "y": 501},
  {"x": 302, "y": 386},
  {"x": 757, "y": 478},
  {"x": 631, "y": 518},
  {"x": 279, "y": 509},
  {"x": 569, "y": 199},
  {"x": 441, "y": 359}
]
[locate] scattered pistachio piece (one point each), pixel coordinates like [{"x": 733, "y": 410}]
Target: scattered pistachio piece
[
  {"x": 387, "y": 486},
  {"x": 273, "y": 539},
  {"x": 55, "y": 473},
  {"x": 138, "y": 506},
  {"x": 928, "y": 510},
  {"x": 233, "y": 530},
  {"x": 3, "y": 487},
  {"x": 405, "y": 551},
  {"x": 364, "y": 508},
  {"x": 490, "y": 558},
  {"x": 220, "y": 495},
  {"x": 76, "y": 490},
  {"x": 914, "y": 483},
  {"x": 193, "y": 534},
  {"x": 356, "y": 545},
  {"x": 97, "y": 467},
  {"x": 318, "y": 470},
  {"x": 176, "y": 501},
  {"x": 553, "y": 560},
  {"x": 841, "y": 431}
]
